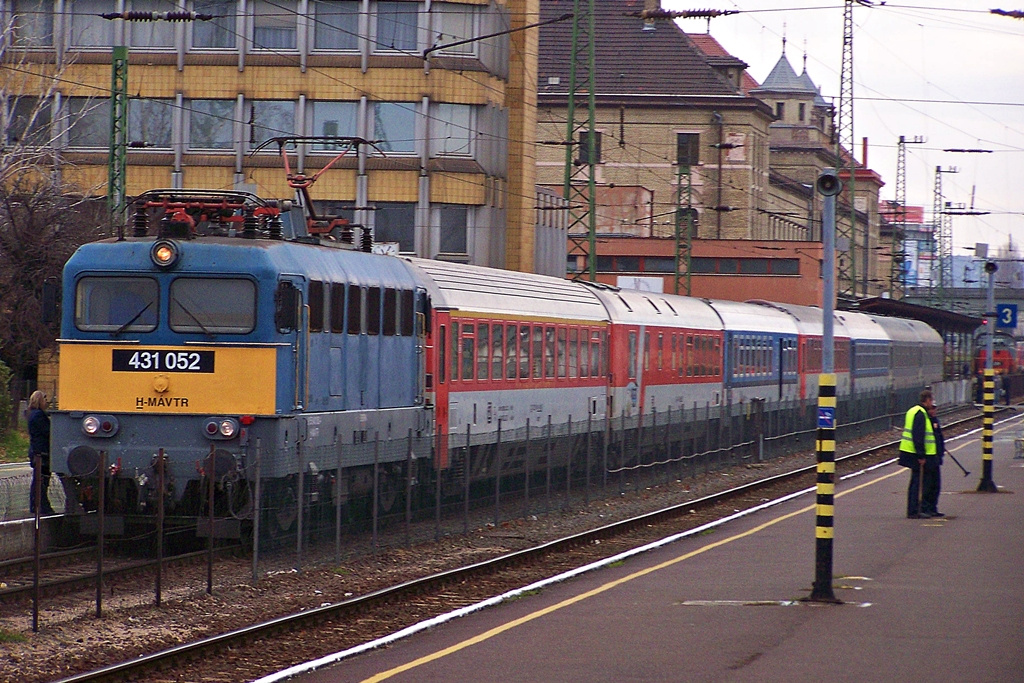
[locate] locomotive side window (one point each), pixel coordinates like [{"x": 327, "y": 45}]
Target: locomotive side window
[
  {"x": 390, "y": 312},
  {"x": 211, "y": 305},
  {"x": 355, "y": 309},
  {"x": 407, "y": 312},
  {"x": 373, "y": 310},
  {"x": 337, "y": 307},
  {"x": 316, "y": 306},
  {"x": 116, "y": 304}
]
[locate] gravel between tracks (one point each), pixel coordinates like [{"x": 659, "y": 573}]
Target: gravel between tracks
[{"x": 72, "y": 640}]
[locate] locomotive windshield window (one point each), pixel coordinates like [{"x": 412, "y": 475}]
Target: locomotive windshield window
[
  {"x": 337, "y": 307},
  {"x": 116, "y": 304},
  {"x": 373, "y": 310},
  {"x": 390, "y": 312},
  {"x": 210, "y": 305},
  {"x": 316, "y": 306}
]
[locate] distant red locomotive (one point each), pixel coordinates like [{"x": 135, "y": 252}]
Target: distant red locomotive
[{"x": 1007, "y": 354}]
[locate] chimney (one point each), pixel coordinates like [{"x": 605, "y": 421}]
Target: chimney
[
  {"x": 651, "y": 7},
  {"x": 864, "y": 152}
]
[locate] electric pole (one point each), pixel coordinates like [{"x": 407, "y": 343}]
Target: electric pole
[
  {"x": 579, "y": 187},
  {"x": 942, "y": 244},
  {"x": 897, "y": 271}
]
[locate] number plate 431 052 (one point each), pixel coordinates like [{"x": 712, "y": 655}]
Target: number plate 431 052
[{"x": 136, "y": 360}]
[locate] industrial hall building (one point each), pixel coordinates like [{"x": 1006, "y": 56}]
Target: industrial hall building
[{"x": 444, "y": 89}]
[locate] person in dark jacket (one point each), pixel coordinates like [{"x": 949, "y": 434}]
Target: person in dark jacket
[
  {"x": 39, "y": 446},
  {"x": 933, "y": 469},
  {"x": 917, "y": 448}
]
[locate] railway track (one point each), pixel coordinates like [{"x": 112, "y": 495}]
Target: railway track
[{"x": 273, "y": 644}]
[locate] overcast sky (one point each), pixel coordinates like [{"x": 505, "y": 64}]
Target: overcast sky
[{"x": 948, "y": 71}]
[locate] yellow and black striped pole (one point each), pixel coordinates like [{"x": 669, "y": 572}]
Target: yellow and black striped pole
[
  {"x": 823, "y": 530},
  {"x": 986, "y": 485}
]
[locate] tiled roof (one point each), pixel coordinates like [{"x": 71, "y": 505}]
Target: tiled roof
[
  {"x": 712, "y": 48},
  {"x": 629, "y": 60}
]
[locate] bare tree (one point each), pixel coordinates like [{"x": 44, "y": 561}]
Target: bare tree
[{"x": 43, "y": 219}]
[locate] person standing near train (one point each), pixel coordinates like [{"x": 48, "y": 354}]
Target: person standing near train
[
  {"x": 39, "y": 447},
  {"x": 917, "y": 447},
  {"x": 932, "y": 482}
]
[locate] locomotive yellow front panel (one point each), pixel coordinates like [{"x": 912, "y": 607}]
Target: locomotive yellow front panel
[{"x": 167, "y": 379}]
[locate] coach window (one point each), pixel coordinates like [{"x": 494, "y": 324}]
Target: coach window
[
  {"x": 562, "y": 359},
  {"x": 661, "y": 351},
  {"x": 549, "y": 352},
  {"x": 316, "y": 306},
  {"x": 483, "y": 344},
  {"x": 210, "y": 305},
  {"x": 373, "y": 310},
  {"x": 468, "y": 354},
  {"x": 510, "y": 352},
  {"x": 390, "y": 312},
  {"x": 538, "y": 351},
  {"x": 524, "y": 352},
  {"x": 604, "y": 353},
  {"x": 497, "y": 351},
  {"x": 595, "y": 354},
  {"x": 716, "y": 346},
  {"x": 584, "y": 353},
  {"x": 454, "y": 345},
  {"x": 337, "y": 307},
  {"x": 116, "y": 304},
  {"x": 574, "y": 353},
  {"x": 442, "y": 367}
]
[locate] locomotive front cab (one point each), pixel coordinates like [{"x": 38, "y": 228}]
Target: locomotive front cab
[{"x": 162, "y": 353}]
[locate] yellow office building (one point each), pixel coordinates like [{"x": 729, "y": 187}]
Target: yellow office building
[{"x": 451, "y": 112}]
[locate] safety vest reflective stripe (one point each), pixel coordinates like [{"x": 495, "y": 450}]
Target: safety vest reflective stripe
[{"x": 907, "y": 442}]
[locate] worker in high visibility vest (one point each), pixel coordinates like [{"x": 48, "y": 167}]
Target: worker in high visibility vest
[{"x": 919, "y": 453}]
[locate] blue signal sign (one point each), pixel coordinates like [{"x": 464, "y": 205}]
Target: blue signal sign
[
  {"x": 826, "y": 418},
  {"x": 1006, "y": 315}
]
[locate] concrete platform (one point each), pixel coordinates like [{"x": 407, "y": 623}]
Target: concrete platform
[{"x": 924, "y": 600}]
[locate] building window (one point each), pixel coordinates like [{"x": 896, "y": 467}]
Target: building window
[
  {"x": 627, "y": 264},
  {"x": 159, "y": 34},
  {"x": 211, "y": 124},
  {"x": 88, "y": 122},
  {"x": 396, "y": 26},
  {"x": 29, "y": 122},
  {"x": 395, "y": 222},
  {"x": 687, "y": 149},
  {"x": 659, "y": 264},
  {"x": 583, "y": 147},
  {"x": 335, "y": 25},
  {"x": 802, "y": 109},
  {"x": 394, "y": 126},
  {"x": 274, "y": 24},
  {"x": 149, "y": 122},
  {"x": 33, "y": 23},
  {"x": 753, "y": 266},
  {"x": 785, "y": 266},
  {"x": 451, "y": 131},
  {"x": 88, "y": 28},
  {"x": 269, "y": 119},
  {"x": 216, "y": 33},
  {"x": 453, "y": 226},
  {"x": 334, "y": 119},
  {"x": 452, "y": 23},
  {"x": 780, "y": 110}
]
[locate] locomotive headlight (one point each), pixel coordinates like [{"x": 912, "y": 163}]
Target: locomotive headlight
[
  {"x": 164, "y": 253},
  {"x": 220, "y": 428},
  {"x": 91, "y": 425},
  {"x": 99, "y": 425}
]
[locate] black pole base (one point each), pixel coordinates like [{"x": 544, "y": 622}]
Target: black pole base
[
  {"x": 987, "y": 486},
  {"x": 823, "y": 594}
]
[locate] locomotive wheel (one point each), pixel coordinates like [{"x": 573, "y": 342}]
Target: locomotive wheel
[
  {"x": 283, "y": 510},
  {"x": 391, "y": 492}
]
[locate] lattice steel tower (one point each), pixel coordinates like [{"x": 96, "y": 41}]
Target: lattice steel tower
[
  {"x": 897, "y": 271},
  {"x": 942, "y": 244},
  {"x": 580, "y": 149},
  {"x": 846, "y": 272}
]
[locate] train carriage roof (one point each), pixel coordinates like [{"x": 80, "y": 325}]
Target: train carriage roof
[
  {"x": 909, "y": 331},
  {"x": 809, "y": 319},
  {"x": 456, "y": 286},
  {"x": 632, "y": 307},
  {"x": 861, "y": 326},
  {"x": 741, "y": 317}
]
